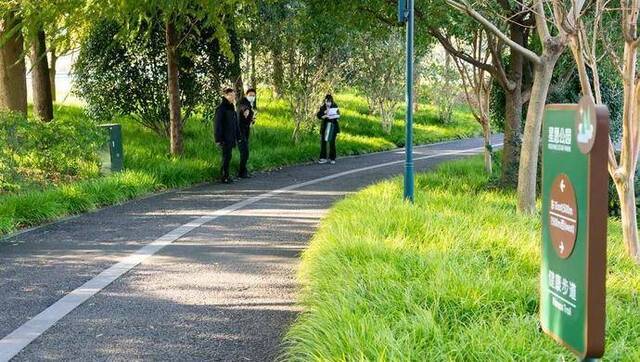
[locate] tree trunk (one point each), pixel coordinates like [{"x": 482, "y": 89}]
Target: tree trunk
[
  {"x": 624, "y": 176},
  {"x": 416, "y": 102},
  {"x": 416, "y": 90},
  {"x": 527, "y": 175},
  {"x": 486, "y": 133},
  {"x": 513, "y": 109},
  {"x": 239, "y": 86},
  {"x": 40, "y": 82},
  {"x": 236, "y": 76},
  {"x": 278, "y": 71},
  {"x": 254, "y": 82},
  {"x": 13, "y": 79},
  {"x": 512, "y": 136},
  {"x": 626, "y": 191},
  {"x": 291, "y": 61},
  {"x": 371, "y": 105},
  {"x": 236, "y": 67},
  {"x": 52, "y": 72},
  {"x": 173, "y": 88}
]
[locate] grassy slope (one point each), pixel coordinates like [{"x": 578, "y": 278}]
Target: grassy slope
[
  {"x": 454, "y": 277},
  {"x": 150, "y": 169}
]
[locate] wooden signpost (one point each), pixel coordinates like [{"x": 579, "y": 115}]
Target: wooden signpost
[{"x": 574, "y": 219}]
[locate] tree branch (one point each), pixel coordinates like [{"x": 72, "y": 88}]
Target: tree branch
[
  {"x": 467, "y": 9},
  {"x": 501, "y": 74},
  {"x": 389, "y": 21},
  {"x": 541, "y": 20},
  {"x": 444, "y": 41}
]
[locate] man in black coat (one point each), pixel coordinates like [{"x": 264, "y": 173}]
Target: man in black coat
[
  {"x": 227, "y": 130},
  {"x": 246, "y": 115}
]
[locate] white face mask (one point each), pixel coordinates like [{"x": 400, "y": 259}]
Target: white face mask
[{"x": 251, "y": 98}]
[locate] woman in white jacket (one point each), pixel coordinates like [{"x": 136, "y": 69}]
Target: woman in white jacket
[{"x": 329, "y": 114}]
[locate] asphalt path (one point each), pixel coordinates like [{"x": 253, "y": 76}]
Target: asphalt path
[{"x": 205, "y": 273}]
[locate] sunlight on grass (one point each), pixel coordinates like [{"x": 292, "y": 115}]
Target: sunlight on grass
[
  {"x": 150, "y": 167},
  {"x": 453, "y": 277}
]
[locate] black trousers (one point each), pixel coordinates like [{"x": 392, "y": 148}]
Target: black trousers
[
  {"x": 331, "y": 143},
  {"x": 226, "y": 160},
  {"x": 243, "y": 147}
]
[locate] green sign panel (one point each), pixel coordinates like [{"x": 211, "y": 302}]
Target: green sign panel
[{"x": 574, "y": 219}]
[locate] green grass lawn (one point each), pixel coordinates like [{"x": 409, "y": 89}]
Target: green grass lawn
[
  {"x": 453, "y": 277},
  {"x": 149, "y": 168}
]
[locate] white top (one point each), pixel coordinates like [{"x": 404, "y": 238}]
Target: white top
[{"x": 332, "y": 113}]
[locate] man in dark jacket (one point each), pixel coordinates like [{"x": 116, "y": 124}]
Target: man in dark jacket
[
  {"x": 227, "y": 130},
  {"x": 246, "y": 114}
]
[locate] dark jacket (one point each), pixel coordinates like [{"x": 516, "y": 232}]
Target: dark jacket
[
  {"x": 226, "y": 129},
  {"x": 321, "y": 113},
  {"x": 245, "y": 122}
]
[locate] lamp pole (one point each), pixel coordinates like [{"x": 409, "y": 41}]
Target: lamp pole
[{"x": 406, "y": 14}]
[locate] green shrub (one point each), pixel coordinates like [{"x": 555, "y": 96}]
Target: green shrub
[
  {"x": 119, "y": 76},
  {"x": 12, "y": 137},
  {"x": 62, "y": 150}
]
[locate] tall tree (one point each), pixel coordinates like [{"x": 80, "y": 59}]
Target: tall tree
[
  {"x": 477, "y": 84},
  {"x": 509, "y": 72},
  {"x": 437, "y": 22},
  {"x": 67, "y": 29},
  {"x": 173, "y": 86},
  {"x": 179, "y": 17},
  {"x": 37, "y": 17},
  {"x": 376, "y": 69},
  {"x": 565, "y": 22},
  {"x": 236, "y": 68},
  {"x": 41, "y": 84},
  {"x": 13, "y": 81},
  {"x": 588, "y": 46},
  {"x": 264, "y": 27},
  {"x": 53, "y": 61}
]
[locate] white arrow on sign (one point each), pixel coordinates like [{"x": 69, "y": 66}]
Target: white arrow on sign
[
  {"x": 562, "y": 185},
  {"x": 561, "y": 246}
]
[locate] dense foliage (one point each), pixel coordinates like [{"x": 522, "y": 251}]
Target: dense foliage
[
  {"x": 376, "y": 69},
  {"x": 33, "y": 152},
  {"x": 126, "y": 75},
  {"x": 568, "y": 90}
]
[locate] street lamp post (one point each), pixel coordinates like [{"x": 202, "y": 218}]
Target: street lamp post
[{"x": 406, "y": 15}]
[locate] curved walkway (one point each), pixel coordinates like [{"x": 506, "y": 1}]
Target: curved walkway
[{"x": 206, "y": 273}]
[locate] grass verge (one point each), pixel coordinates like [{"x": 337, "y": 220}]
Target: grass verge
[
  {"x": 453, "y": 277},
  {"x": 150, "y": 168}
]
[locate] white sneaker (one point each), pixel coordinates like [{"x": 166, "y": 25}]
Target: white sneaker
[
  {"x": 333, "y": 162},
  {"x": 322, "y": 161}
]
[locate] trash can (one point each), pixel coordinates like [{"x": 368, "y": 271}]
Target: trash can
[{"x": 111, "y": 155}]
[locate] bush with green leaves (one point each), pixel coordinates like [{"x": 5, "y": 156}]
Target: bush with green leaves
[
  {"x": 443, "y": 84},
  {"x": 127, "y": 75},
  {"x": 569, "y": 91},
  {"x": 35, "y": 152},
  {"x": 12, "y": 138}
]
